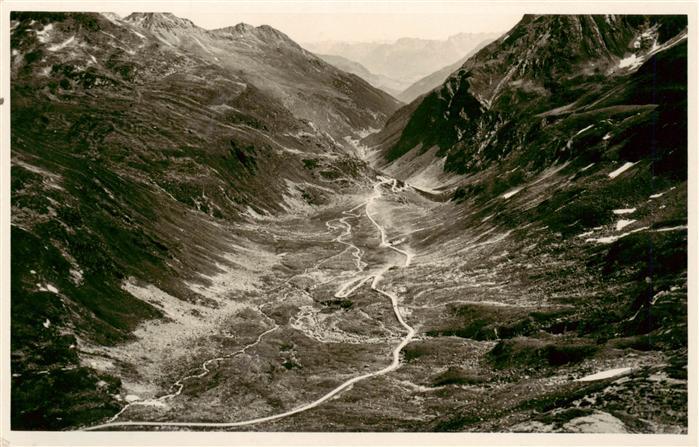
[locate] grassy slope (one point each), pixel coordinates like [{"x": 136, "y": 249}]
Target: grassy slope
[{"x": 123, "y": 168}]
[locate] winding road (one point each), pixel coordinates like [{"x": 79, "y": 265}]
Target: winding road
[
  {"x": 180, "y": 383},
  {"x": 345, "y": 290}
]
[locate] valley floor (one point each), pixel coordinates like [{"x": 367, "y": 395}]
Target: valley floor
[{"x": 342, "y": 320}]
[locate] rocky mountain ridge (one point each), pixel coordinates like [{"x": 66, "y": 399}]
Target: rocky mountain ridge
[{"x": 522, "y": 73}]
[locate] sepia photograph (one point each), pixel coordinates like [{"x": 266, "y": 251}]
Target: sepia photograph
[{"x": 348, "y": 217}]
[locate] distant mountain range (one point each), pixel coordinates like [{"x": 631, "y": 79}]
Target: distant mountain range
[
  {"x": 385, "y": 83},
  {"x": 436, "y": 79},
  {"x": 407, "y": 59}
]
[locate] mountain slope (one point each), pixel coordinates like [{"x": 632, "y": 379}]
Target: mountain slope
[
  {"x": 136, "y": 144},
  {"x": 528, "y": 72},
  {"x": 565, "y": 142},
  {"x": 379, "y": 81},
  {"x": 436, "y": 79},
  {"x": 280, "y": 68}
]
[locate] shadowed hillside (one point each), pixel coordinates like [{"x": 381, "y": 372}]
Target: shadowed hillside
[
  {"x": 134, "y": 142},
  {"x": 565, "y": 141}
]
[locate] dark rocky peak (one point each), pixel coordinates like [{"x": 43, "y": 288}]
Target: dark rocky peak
[{"x": 160, "y": 21}]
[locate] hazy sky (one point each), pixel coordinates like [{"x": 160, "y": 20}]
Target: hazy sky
[{"x": 347, "y": 21}]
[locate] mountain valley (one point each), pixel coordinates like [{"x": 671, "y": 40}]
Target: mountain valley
[{"x": 219, "y": 230}]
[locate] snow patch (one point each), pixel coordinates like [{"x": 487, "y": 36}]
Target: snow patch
[
  {"x": 610, "y": 239},
  {"x": 43, "y": 35},
  {"x": 623, "y": 223},
  {"x": 624, "y": 211},
  {"x": 131, "y": 398},
  {"x": 254, "y": 214},
  {"x": 46, "y": 323},
  {"x": 76, "y": 275},
  {"x": 583, "y": 130},
  {"x": 509, "y": 194},
  {"x": 62, "y": 45},
  {"x": 110, "y": 35},
  {"x": 604, "y": 374},
  {"x": 632, "y": 61},
  {"x": 51, "y": 288},
  {"x": 677, "y": 228},
  {"x": 363, "y": 133},
  {"x": 622, "y": 169}
]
